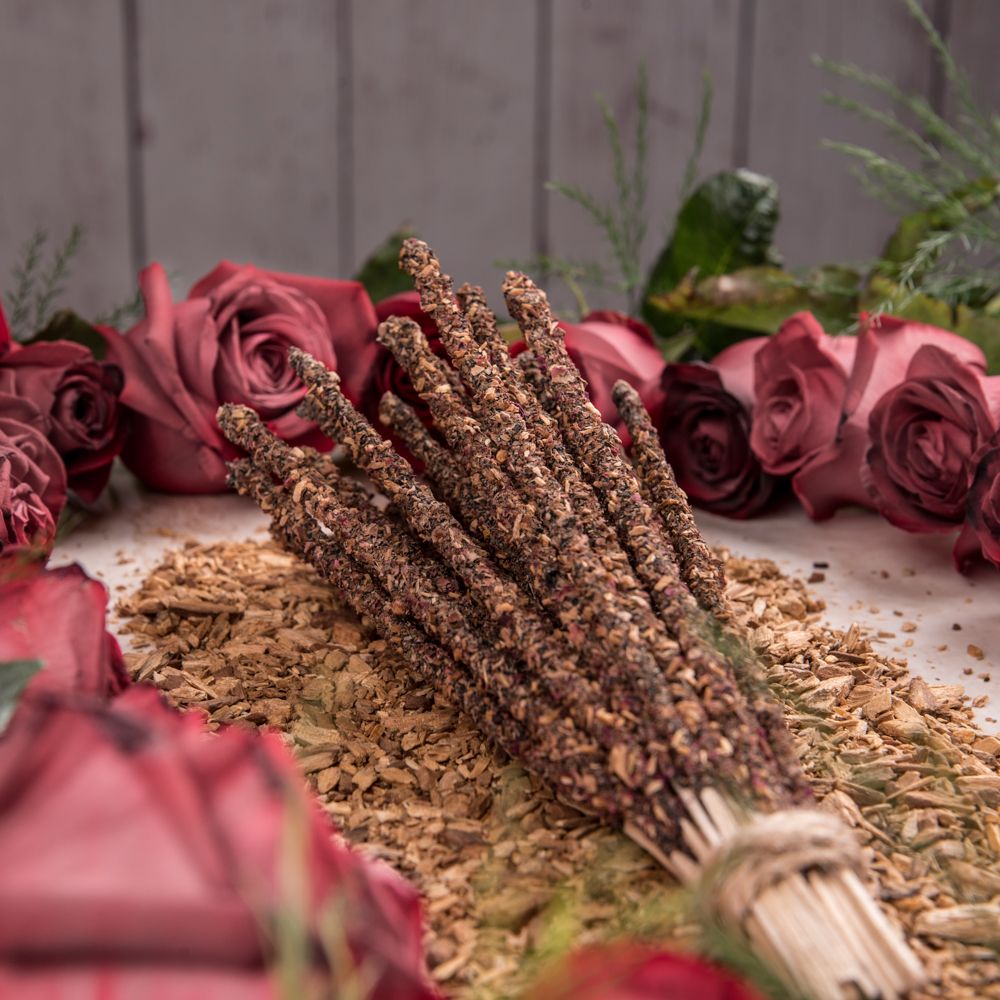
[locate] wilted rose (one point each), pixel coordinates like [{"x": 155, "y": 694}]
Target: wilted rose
[
  {"x": 630, "y": 971},
  {"x": 703, "y": 418},
  {"x": 800, "y": 376},
  {"x": 188, "y": 853},
  {"x": 228, "y": 342},
  {"x": 32, "y": 480},
  {"x": 78, "y": 398},
  {"x": 926, "y": 437},
  {"x": 832, "y": 478},
  {"x": 57, "y": 616}
]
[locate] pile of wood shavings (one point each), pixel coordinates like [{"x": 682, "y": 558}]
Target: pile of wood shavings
[{"x": 251, "y": 636}]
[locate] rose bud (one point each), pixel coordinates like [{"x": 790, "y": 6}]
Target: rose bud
[
  {"x": 832, "y": 478},
  {"x": 926, "y": 436},
  {"x": 607, "y": 346},
  {"x": 78, "y": 396},
  {"x": 800, "y": 376},
  {"x": 703, "y": 419},
  {"x": 630, "y": 971},
  {"x": 32, "y": 482},
  {"x": 228, "y": 342},
  {"x": 189, "y": 853},
  {"x": 76, "y": 652},
  {"x": 981, "y": 533}
]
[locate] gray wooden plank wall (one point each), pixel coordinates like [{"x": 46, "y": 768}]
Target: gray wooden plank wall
[{"x": 297, "y": 133}]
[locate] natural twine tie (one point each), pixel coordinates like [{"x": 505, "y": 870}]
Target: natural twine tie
[{"x": 769, "y": 849}]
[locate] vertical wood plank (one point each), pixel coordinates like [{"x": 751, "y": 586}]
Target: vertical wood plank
[
  {"x": 973, "y": 36},
  {"x": 240, "y": 114},
  {"x": 597, "y": 49},
  {"x": 826, "y": 214},
  {"x": 62, "y": 118},
  {"x": 443, "y": 123}
]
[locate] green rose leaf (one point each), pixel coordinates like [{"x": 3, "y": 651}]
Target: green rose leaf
[
  {"x": 380, "y": 273},
  {"x": 727, "y": 308},
  {"x": 14, "y": 677},
  {"x": 727, "y": 223},
  {"x": 67, "y": 325}
]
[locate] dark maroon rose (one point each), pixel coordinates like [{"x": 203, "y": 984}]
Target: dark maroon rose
[
  {"x": 927, "y": 434},
  {"x": 386, "y": 374},
  {"x": 703, "y": 418},
  {"x": 981, "y": 533},
  {"x": 78, "y": 397},
  {"x": 32, "y": 480}
]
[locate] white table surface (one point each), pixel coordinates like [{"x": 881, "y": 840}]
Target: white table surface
[{"x": 874, "y": 570}]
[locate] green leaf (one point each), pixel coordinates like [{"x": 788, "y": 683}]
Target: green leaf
[
  {"x": 67, "y": 325},
  {"x": 728, "y": 223},
  {"x": 14, "y": 677},
  {"x": 380, "y": 273},
  {"x": 883, "y": 295},
  {"x": 755, "y": 300},
  {"x": 983, "y": 330},
  {"x": 915, "y": 228}
]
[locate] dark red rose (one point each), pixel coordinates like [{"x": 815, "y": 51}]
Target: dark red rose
[
  {"x": 927, "y": 434},
  {"x": 833, "y": 478},
  {"x": 800, "y": 375},
  {"x": 57, "y": 616},
  {"x": 32, "y": 481},
  {"x": 145, "y": 843},
  {"x": 4, "y": 331},
  {"x": 608, "y": 346},
  {"x": 703, "y": 418},
  {"x": 228, "y": 342},
  {"x": 631, "y": 971},
  {"x": 386, "y": 374},
  {"x": 981, "y": 534},
  {"x": 78, "y": 397}
]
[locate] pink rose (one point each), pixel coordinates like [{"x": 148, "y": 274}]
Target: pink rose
[
  {"x": 832, "y": 478},
  {"x": 626, "y": 970},
  {"x": 981, "y": 534},
  {"x": 608, "y": 346},
  {"x": 32, "y": 481},
  {"x": 927, "y": 434},
  {"x": 228, "y": 342},
  {"x": 799, "y": 379},
  {"x": 145, "y": 844},
  {"x": 57, "y": 616},
  {"x": 78, "y": 398},
  {"x": 704, "y": 423}
]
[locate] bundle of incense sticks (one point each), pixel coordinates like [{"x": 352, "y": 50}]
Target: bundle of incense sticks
[{"x": 566, "y": 600}]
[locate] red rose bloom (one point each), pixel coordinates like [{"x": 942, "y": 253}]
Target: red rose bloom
[
  {"x": 630, "y": 971},
  {"x": 78, "y": 398},
  {"x": 799, "y": 379},
  {"x": 832, "y": 478},
  {"x": 228, "y": 342},
  {"x": 57, "y": 616},
  {"x": 32, "y": 480},
  {"x": 607, "y": 346},
  {"x": 181, "y": 863},
  {"x": 927, "y": 435},
  {"x": 703, "y": 420},
  {"x": 981, "y": 534}
]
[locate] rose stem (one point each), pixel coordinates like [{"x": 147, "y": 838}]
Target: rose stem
[
  {"x": 594, "y": 779},
  {"x": 565, "y": 575},
  {"x": 700, "y": 567},
  {"x": 615, "y": 482},
  {"x": 302, "y": 535}
]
